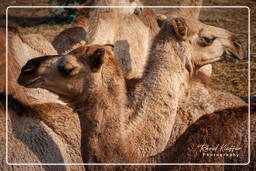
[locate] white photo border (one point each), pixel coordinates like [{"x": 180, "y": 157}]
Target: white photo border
[{"x": 70, "y": 164}]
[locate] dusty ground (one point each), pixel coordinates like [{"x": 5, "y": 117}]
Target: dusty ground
[{"x": 227, "y": 76}]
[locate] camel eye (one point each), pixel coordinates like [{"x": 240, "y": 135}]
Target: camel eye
[
  {"x": 207, "y": 41},
  {"x": 65, "y": 70}
]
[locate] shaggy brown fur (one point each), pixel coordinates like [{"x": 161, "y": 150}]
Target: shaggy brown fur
[
  {"x": 132, "y": 34},
  {"x": 68, "y": 38},
  {"x": 21, "y": 49},
  {"x": 110, "y": 102},
  {"x": 44, "y": 144},
  {"x": 228, "y": 126},
  {"x": 76, "y": 33},
  {"x": 200, "y": 100},
  {"x": 49, "y": 142},
  {"x": 163, "y": 84},
  {"x": 154, "y": 101}
]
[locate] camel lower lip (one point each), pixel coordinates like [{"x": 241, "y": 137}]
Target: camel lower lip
[
  {"x": 232, "y": 55},
  {"x": 35, "y": 83}
]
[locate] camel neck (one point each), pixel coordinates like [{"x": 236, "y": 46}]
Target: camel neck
[
  {"x": 107, "y": 133},
  {"x": 101, "y": 122},
  {"x": 155, "y": 101},
  {"x": 101, "y": 21}
]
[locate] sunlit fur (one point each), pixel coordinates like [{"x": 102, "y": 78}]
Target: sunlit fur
[
  {"x": 164, "y": 83},
  {"x": 131, "y": 34},
  {"x": 36, "y": 132}
]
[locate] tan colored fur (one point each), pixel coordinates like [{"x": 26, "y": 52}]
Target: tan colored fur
[
  {"x": 124, "y": 130},
  {"x": 76, "y": 33},
  {"x": 153, "y": 103},
  {"x": 131, "y": 34},
  {"x": 229, "y": 126},
  {"x": 21, "y": 49},
  {"x": 68, "y": 38},
  {"x": 31, "y": 140},
  {"x": 52, "y": 140},
  {"x": 144, "y": 130},
  {"x": 199, "y": 100}
]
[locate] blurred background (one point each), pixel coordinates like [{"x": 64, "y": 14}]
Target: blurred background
[{"x": 227, "y": 76}]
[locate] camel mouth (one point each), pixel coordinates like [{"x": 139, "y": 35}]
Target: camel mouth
[
  {"x": 232, "y": 55},
  {"x": 31, "y": 84}
]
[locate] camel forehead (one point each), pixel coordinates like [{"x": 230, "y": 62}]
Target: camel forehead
[
  {"x": 85, "y": 50},
  {"x": 217, "y": 32},
  {"x": 92, "y": 48},
  {"x": 196, "y": 26}
]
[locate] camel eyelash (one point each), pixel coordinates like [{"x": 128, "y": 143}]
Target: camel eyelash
[{"x": 206, "y": 41}]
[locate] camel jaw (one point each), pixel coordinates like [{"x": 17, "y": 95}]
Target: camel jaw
[{"x": 35, "y": 83}]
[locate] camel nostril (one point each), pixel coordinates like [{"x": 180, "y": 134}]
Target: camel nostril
[
  {"x": 29, "y": 68},
  {"x": 20, "y": 80},
  {"x": 64, "y": 70}
]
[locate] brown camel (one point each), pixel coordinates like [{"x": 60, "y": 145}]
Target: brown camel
[
  {"x": 55, "y": 138},
  {"x": 192, "y": 13},
  {"x": 187, "y": 113},
  {"x": 90, "y": 75},
  {"x": 130, "y": 29},
  {"x": 31, "y": 139},
  {"x": 130, "y": 33},
  {"x": 131, "y": 38},
  {"x": 201, "y": 99},
  {"x": 20, "y": 49},
  {"x": 76, "y": 33},
  {"x": 211, "y": 134}
]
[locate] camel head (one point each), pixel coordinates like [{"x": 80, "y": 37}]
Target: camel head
[
  {"x": 110, "y": 19},
  {"x": 206, "y": 44},
  {"x": 72, "y": 74}
]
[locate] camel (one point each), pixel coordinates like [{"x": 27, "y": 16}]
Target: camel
[
  {"x": 23, "y": 48},
  {"x": 55, "y": 133},
  {"x": 69, "y": 37},
  {"x": 131, "y": 34},
  {"x": 227, "y": 127},
  {"x": 30, "y": 140},
  {"x": 201, "y": 99},
  {"x": 215, "y": 100},
  {"x": 132, "y": 41},
  {"x": 121, "y": 24},
  {"x": 90, "y": 75},
  {"x": 129, "y": 29},
  {"x": 76, "y": 33},
  {"x": 193, "y": 106},
  {"x": 193, "y": 13}
]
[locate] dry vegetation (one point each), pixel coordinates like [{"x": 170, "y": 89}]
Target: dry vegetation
[{"x": 227, "y": 76}]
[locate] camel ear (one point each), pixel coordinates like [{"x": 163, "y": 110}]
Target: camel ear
[
  {"x": 180, "y": 28},
  {"x": 97, "y": 59},
  {"x": 110, "y": 46},
  {"x": 160, "y": 19}
]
